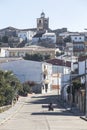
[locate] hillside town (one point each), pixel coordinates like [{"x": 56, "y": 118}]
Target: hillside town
[{"x": 63, "y": 67}]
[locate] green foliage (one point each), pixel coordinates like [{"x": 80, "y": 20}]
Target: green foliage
[
  {"x": 36, "y": 57},
  {"x": 59, "y": 54},
  {"x": 26, "y": 88},
  {"x": 75, "y": 87},
  {"x": 8, "y": 90},
  {"x": 5, "y": 39},
  {"x": 68, "y": 89},
  {"x": 67, "y": 39}
]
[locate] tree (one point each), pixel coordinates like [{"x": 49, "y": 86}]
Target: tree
[
  {"x": 8, "y": 90},
  {"x": 5, "y": 39},
  {"x": 26, "y": 88},
  {"x": 76, "y": 86},
  {"x": 36, "y": 57},
  {"x": 67, "y": 39}
]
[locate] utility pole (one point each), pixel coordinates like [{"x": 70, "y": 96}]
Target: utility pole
[{"x": 86, "y": 88}]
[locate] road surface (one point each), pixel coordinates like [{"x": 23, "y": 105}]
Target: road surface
[{"x": 34, "y": 115}]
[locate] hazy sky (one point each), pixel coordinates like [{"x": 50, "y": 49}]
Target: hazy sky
[{"x": 62, "y": 13}]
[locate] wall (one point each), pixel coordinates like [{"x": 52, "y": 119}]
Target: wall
[
  {"x": 81, "y": 66},
  {"x": 77, "y": 38}
]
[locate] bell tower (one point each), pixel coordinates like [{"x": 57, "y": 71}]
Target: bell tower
[{"x": 42, "y": 23}]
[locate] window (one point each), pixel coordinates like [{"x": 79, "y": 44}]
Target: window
[{"x": 39, "y": 21}]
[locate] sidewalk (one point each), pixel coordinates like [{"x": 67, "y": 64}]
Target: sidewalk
[{"x": 4, "y": 116}]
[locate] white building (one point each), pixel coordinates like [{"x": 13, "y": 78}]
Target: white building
[
  {"x": 60, "y": 74},
  {"x": 30, "y": 35},
  {"x": 26, "y": 70},
  {"x": 81, "y": 65},
  {"x": 46, "y": 37},
  {"x": 46, "y": 77},
  {"x": 22, "y": 35},
  {"x": 20, "y": 52},
  {"x": 50, "y": 36},
  {"x": 66, "y": 34},
  {"x": 37, "y": 37},
  {"x": 26, "y": 35},
  {"x": 77, "y": 38},
  {"x": 3, "y": 52}
]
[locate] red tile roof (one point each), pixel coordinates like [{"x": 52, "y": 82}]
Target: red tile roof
[{"x": 59, "y": 62}]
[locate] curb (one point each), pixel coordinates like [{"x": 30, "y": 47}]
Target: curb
[
  {"x": 11, "y": 112},
  {"x": 83, "y": 117}
]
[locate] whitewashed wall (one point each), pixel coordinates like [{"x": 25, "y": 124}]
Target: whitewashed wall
[{"x": 78, "y": 38}]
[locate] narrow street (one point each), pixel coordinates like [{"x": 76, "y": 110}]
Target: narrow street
[{"x": 34, "y": 115}]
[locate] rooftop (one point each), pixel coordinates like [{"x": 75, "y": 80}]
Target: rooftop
[{"x": 59, "y": 62}]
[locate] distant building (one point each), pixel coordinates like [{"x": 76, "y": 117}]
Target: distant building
[
  {"x": 20, "y": 52},
  {"x": 26, "y": 35},
  {"x": 46, "y": 77},
  {"x": 49, "y": 35},
  {"x": 78, "y": 44},
  {"x": 37, "y": 37},
  {"x": 77, "y": 38},
  {"x": 42, "y": 23}
]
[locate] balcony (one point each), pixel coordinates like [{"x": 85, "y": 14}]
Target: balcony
[{"x": 46, "y": 81}]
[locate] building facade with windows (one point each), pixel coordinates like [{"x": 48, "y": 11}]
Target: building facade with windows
[{"x": 20, "y": 52}]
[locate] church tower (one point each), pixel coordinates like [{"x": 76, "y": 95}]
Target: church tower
[{"x": 42, "y": 23}]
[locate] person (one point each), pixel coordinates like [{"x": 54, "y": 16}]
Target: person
[
  {"x": 50, "y": 107},
  {"x": 17, "y": 97}
]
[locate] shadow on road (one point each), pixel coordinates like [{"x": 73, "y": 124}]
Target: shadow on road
[
  {"x": 63, "y": 113},
  {"x": 60, "y": 107},
  {"x": 45, "y": 100}
]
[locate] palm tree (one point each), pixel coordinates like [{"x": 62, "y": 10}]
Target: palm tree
[{"x": 9, "y": 87}]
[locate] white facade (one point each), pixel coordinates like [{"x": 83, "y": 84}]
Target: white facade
[
  {"x": 81, "y": 66},
  {"x": 3, "y": 52},
  {"x": 66, "y": 34},
  {"x": 79, "y": 38},
  {"x": 46, "y": 78},
  {"x": 55, "y": 77},
  {"x": 22, "y": 34},
  {"x": 51, "y": 36},
  {"x": 26, "y": 35},
  {"x": 30, "y": 35},
  {"x": 20, "y": 52},
  {"x": 25, "y": 70}
]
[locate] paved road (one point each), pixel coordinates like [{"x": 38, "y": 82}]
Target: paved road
[{"x": 34, "y": 115}]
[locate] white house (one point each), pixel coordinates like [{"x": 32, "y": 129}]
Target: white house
[
  {"x": 60, "y": 75},
  {"x": 66, "y": 34},
  {"x": 22, "y": 35},
  {"x": 26, "y": 70},
  {"x": 81, "y": 65},
  {"x": 77, "y": 38},
  {"x": 3, "y": 52},
  {"x": 37, "y": 37},
  {"x": 26, "y": 35},
  {"x": 50, "y": 36},
  {"x": 46, "y": 77},
  {"x": 30, "y": 35}
]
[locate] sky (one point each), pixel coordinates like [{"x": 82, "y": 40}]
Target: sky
[{"x": 22, "y": 14}]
